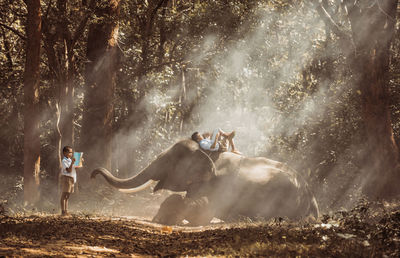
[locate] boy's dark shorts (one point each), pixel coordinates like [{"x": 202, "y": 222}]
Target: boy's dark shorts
[{"x": 67, "y": 184}]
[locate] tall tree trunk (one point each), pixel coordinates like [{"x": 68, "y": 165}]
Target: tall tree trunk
[
  {"x": 382, "y": 171},
  {"x": 368, "y": 50},
  {"x": 102, "y": 52},
  {"x": 373, "y": 29},
  {"x": 31, "y": 100}
]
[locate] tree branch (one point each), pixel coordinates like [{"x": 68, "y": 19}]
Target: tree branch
[
  {"x": 49, "y": 43},
  {"x": 345, "y": 38},
  {"x": 158, "y": 66},
  {"x": 7, "y": 50},
  {"x": 13, "y": 30},
  {"x": 81, "y": 27},
  {"x": 327, "y": 18}
]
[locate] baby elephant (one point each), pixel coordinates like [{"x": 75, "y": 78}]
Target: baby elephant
[{"x": 176, "y": 208}]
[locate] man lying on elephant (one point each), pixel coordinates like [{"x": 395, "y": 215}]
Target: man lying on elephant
[{"x": 218, "y": 141}]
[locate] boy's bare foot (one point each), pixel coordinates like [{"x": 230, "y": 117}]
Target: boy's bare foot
[
  {"x": 237, "y": 152},
  {"x": 64, "y": 213}
]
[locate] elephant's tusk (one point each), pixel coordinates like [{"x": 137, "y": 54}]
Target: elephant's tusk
[{"x": 137, "y": 189}]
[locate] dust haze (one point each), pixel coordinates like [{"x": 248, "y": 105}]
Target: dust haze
[
  {"x": 244, "y": 85},
  {"x": 248, "y": 109}
]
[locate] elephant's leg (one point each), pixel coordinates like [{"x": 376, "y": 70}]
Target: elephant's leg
[
  {"x": 171, "y": 211},
  {"x": 198, "y": 211},
  {"x": 175, "y": 208}
]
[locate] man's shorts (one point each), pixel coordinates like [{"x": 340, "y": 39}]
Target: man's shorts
[{"x": 67, "y": 184}]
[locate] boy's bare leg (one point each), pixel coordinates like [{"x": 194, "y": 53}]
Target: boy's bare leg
[
  {"x": 229, "y": 137},
  {"x": 225, "y": 134},
  {"x": 64, "y": 202},
  {"x": 232, "y": 144}
]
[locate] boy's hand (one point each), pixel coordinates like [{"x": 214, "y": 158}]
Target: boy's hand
[{"x": 73, "y": 160}]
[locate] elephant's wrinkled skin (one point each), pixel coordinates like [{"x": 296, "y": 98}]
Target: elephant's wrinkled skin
[{"x": 231, "y": 186}]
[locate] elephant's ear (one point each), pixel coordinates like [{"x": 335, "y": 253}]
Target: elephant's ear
[
  {"x": 201, "y": 168},
  {"x": 192, "y": 165}
]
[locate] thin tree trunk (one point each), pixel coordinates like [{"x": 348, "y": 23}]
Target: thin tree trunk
[
  {"x": 102, "y": 52},
  {"x": 66, "y": 85},
  {"x": 67, "y": 104},
  {"x": 137, "y": 114},
  {"x": 182, "y": 99},
  {"x": 31, "y": 100}
]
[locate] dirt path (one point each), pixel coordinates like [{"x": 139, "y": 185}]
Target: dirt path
[{"x": 356, "y": 234}]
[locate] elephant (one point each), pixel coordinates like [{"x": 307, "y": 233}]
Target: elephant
[{"x": 224, "y": 185}]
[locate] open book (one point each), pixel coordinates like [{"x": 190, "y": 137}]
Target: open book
[{"x": 78, "y": 159}]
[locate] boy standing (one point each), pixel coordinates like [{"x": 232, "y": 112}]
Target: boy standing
[{"x": 68, "y": 178}]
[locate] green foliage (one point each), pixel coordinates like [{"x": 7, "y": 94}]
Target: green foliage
[
  {"x": 11, "y": 70},
  {"x": 272, "y": 64}
]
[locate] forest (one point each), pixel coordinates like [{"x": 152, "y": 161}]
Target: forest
[{"x": 311, "y": 89}]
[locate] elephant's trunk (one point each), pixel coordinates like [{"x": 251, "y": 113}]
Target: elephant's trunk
[
  {"x": 137, "y": 189},
  {"x": 127, "y": 183}
]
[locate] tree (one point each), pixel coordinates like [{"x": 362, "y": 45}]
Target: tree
[
  {"x": 372, "y": 25},
  {"x": 60, "y": 43},
  {"x": 31, "y": 100},
  {"x": 102, "y": 53}
]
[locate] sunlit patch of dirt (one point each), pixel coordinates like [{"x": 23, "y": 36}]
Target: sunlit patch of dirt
[
  {"x": 370, "y": 229},
  {"x": 59, "y": 248}
]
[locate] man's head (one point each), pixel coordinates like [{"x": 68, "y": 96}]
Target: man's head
[
  {"x": 67, "y": 151},
  {"x": 197, "y": 137}
]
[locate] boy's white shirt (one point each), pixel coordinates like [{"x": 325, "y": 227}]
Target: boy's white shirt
[{"x": 66, "y": 163}]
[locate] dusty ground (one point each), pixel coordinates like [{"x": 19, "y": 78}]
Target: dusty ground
[{"x": 369, "y": 230}]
